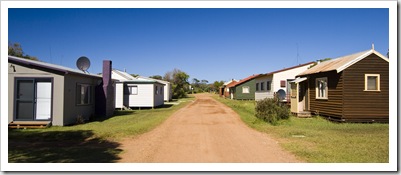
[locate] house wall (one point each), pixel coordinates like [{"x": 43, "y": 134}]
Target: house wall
[
  {"x": 260, "y": 95},
  {"x": 119, "y": 95},
  {"x": 361, "y": 105},
  {"x": 285, "y": 75},
  {"x": 168, "y": 93},
  {"x": 73, "y": 110},
  {"x": 333, "y": 105},
  {"x": 58, "y": 88},
  {"x": 238, "y": 95},
  {"x": 144, "y": 98},
  {"x": 226, "y": 92}
]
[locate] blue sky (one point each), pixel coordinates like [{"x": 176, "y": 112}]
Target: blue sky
[{"x": 212, "y": 44}]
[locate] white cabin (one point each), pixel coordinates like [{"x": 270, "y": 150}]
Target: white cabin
[
  {"x": 168, "y": 92},
  {"x": 277, "y": 82},
  {"x": 136, "y": 92}
]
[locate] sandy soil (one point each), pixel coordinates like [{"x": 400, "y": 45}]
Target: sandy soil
[{"x": 204, "y": 131}]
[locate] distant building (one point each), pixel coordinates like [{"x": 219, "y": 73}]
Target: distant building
[
  {"x": 243, "y": 89},
  {"x": 224, "y": 91}
]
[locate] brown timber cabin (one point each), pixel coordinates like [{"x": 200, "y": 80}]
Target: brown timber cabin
[{"x": 352, "y": 88}]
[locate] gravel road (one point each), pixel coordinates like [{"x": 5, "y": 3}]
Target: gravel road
[{"x": 204, "y": 131}]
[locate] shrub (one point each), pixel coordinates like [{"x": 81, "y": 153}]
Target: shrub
[{"x": 271, "y": 110}]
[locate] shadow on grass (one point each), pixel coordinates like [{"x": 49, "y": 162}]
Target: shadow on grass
[{"x": 41, "y": 146}]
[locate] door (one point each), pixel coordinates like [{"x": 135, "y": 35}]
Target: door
[
  {"x": 43, "y": 100},
  {"x": 303, "y": 96},
  {"x": 24, "y": 99},
  {"x": 33, "y": 99}
]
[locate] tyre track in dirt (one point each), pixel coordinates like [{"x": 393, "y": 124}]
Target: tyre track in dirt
[{"x": 204, "y": 131}]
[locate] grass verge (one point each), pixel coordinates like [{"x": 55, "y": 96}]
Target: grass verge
[
  {"x": 91, "y": 142},
  {"x": 320, "y": 141}
]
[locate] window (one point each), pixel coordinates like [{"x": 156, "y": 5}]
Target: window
[
  {"x": 268, "y": 85},
  {"x": 245, "y": 90},
  {"x": 83, "y": 94},
  {"x": 282, "y": 83},
  {"x": 257, "y": 86},
  {"x": 321, "y": 88},
  {"x": 372, "y": 82},
  {"x": 133, "y": 90},
  {"x": 262, "y": 86},
  {"x": 156, "y": 90}
]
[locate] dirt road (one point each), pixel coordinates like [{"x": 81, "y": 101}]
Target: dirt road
[{"x": 204, "y": 131}]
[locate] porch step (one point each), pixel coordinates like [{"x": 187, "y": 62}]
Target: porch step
[
  {"x": 29, "y": 124},
  {"x": 304, "y": 114}
]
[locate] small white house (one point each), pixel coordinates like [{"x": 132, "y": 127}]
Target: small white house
[
  {"x": 277, "y": 82},
  {"x": 137, "y": 92},
  {"x": 168, "y": 92}
]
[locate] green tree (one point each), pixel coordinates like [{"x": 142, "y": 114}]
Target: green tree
[
  {"x": 15, "y": 49},
  {"x": 216, "y": 85},
  {"x": 179, "y": 81},
  {"x": 158, "y": 77}
]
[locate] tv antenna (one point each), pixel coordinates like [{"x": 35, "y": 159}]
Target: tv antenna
[
  {"x": 83, "y": 64},
  {"x": 297, "y": 55}
]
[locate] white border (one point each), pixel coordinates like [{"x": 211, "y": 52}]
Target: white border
[{"x": 391, "y": 166}]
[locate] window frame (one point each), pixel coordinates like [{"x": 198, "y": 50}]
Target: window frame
[
  {"x": 257, "y": 86},
  {"x": 377, "y": 82},
  {"x": 326, "y": 88},
  {"x": 78, "y": 100},
  {"x": 247, "y": 87},
  {"x": 130, "y": 92},
  {"x": 156, "y": 90},
  {"x": 283, "y": 83}
]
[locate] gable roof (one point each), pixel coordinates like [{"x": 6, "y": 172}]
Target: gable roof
[
  {"x": 125, "y": 75},
  {"x": 341, "y": 63},
  {"x": 293, "y": 67},
  {"x": 48, "y": 66},
  {"x": 131, "y": 79},
  {"x": 243, "y": 80},
  {"x": 233, "y": 82},
  {"x": 228, "y": 82}
]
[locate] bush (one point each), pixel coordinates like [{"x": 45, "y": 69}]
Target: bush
[{"x": 271, "y": 110}]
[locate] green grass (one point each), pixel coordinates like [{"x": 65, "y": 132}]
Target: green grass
[
  {"x": 95, "y": 141},
  {"x": 320, "y": 141}
]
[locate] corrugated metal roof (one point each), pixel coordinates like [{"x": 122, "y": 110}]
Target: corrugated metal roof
[
  {"x": 341, "y": 63},
  {"x": 50, "y": 66}
]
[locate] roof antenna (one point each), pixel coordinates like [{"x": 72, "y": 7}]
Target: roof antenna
[
  {"x": 373, "y": 46},
  {"x": 297, "y": 55}
]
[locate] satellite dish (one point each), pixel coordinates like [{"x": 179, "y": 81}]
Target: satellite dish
[
  {"x": 281, "y": 94},
  {"x": 83, "y": 63}
]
